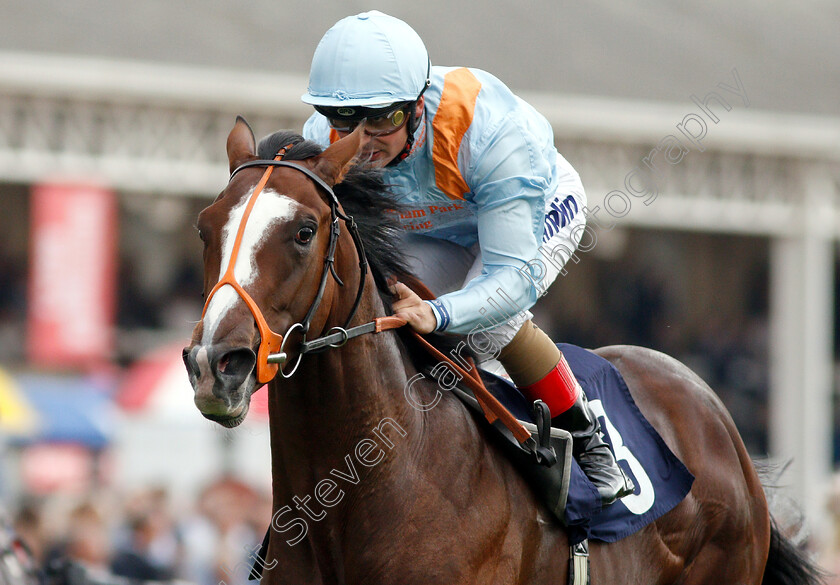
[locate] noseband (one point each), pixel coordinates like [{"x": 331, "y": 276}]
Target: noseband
[{"x": 271, "y": 355}]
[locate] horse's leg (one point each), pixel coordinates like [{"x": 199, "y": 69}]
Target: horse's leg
[{"x": 722, "y": 564}]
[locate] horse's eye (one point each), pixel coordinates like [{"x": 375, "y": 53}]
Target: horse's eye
[{"x": 304, "y": 235}]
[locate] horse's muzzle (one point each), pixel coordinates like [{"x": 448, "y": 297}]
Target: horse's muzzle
[{"x": 222, "y": 379}]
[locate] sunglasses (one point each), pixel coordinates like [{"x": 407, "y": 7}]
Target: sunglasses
[{"x": 383, "y": 125}]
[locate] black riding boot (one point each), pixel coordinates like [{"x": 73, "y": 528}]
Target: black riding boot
[{"x": 594, "y": 456}]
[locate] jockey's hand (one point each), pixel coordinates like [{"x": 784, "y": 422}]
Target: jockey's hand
[{"x": 412, "y": 308}]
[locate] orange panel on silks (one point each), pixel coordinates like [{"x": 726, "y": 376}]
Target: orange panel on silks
[{"x": 452, "y": 120}]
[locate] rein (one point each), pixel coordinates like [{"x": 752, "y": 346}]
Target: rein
[{"x": 271, "y": 355}]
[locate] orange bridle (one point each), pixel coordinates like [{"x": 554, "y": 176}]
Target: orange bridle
[
  {"x": 270, "y": 342},
  {"x": 271, "y": 355}
]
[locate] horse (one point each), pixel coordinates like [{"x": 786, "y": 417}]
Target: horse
[{"x": 368, "y": 488}]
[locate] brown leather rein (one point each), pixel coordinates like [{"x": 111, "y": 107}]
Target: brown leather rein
[{"x": 271, "y": 355}]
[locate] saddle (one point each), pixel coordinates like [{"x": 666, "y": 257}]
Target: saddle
[
  {"x": 547, "y": 473},
  {"x": 662, "y": 481}
]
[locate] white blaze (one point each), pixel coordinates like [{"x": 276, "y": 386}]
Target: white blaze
[{"x": 271, "y": 208}]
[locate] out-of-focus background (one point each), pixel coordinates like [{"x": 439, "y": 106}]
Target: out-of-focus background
[{"x": 113, "y": 120}]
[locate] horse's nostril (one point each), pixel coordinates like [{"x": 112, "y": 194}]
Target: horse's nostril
[{"x": 237, "y": 362}]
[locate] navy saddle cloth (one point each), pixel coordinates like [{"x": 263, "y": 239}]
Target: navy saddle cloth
[{"x": 662, "y": 481}]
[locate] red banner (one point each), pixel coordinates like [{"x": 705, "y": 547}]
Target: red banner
[{"x": 72, "y": 277}]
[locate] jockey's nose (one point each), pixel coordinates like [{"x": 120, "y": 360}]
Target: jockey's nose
[{"x": 364, "y": 140}]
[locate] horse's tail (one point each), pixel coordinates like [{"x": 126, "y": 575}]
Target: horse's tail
[{"x": 788, "y": 564}]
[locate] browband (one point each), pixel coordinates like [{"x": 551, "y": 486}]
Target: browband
[{"x": 283, "y": 163}]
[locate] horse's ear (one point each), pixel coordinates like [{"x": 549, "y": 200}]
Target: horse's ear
[
  {"x": 333, "y": 163},
  {"x": 241, "y": 144}
]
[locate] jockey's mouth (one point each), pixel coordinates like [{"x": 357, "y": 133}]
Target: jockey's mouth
[{"x": 373, "y": 154}]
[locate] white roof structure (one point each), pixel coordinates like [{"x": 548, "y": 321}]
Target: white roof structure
[{"x": 657, "y": 50}]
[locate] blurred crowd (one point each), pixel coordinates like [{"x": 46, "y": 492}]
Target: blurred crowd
[{"x": 145, "y": 536}]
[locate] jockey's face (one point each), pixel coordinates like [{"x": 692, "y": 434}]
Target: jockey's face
[{"x": 381, "y": 150}]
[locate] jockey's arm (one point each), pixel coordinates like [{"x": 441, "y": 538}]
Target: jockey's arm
[
  {"x": 510, "y": 179},
  {"x": 502, "y": 289},
  {"x": 492, "y": 297}
]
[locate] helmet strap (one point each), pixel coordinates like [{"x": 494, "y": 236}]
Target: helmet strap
[
  {"x": 411, "y": 126},
  {"x": 413, "y": 121}
]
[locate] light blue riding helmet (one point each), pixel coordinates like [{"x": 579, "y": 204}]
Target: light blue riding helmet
[{"x": 368, "y": 60}]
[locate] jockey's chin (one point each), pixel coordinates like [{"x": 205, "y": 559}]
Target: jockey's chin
[{"x": 375, "y": 157}]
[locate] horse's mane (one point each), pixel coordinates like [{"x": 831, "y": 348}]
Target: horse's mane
[{"x": 364, "y": 194}]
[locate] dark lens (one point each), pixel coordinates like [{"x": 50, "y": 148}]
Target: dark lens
[
  {"x": 342, "y": 125},
  {"x": 388, "y": 124}
]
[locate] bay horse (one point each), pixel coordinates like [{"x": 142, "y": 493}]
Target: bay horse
[{"x": 368, "y": 488}]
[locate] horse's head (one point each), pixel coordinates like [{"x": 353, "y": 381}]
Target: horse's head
[{"x": 265, "y": 240}]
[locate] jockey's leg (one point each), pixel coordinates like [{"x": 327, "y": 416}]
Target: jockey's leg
[{"x": 540, "y": 371}]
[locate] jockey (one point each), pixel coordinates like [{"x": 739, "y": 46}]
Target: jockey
[{"x": 492, "y": 210}]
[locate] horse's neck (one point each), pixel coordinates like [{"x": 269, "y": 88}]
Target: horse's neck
[
  {"x": 341, "y": 433},
  {"x": 361, "y": 467},
  {"x": 346, "y": 389},
  {"x": 338, "y": 404},
  {"x": 360, "y": 375}
]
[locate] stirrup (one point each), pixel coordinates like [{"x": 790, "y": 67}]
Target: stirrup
[{"x": 544, "y": 452}]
